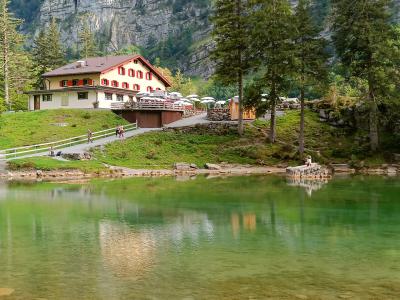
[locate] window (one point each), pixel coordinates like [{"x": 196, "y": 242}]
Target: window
[
  {"x": 64, "y": 83},
  {"x": 108, "y": 96},
  {"x": 139, "y": 74},
  {"x": 149, "y": 76},
  {"x": 47, "y": 98},
  {"x": 83, "y": 96},
  {"x": 114, "y": 83},
  {"x": 135, "y": 61},
  {"x": 136, "y": 87},
  {"x": 87, "y": 81},
  {"x": 105, "y": 82},
  {"x": 125, "y": 85},
  {"x": 75, "y": 82},
  {"x": 158, "y": 89},
  {"x": 149, "y": 89},
  {"x": 131, "y": 98},
  {"x": 120, "y": 97},
  {"x": 131, "y": 73},
  {"x": 121, "y": 71}
]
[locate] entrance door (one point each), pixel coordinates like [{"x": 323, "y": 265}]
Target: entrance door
[
  {"x": 36, "y": 102},
  {"x": 64, "y": 99}
]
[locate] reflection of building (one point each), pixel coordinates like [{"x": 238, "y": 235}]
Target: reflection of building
[
  {"x": 249, "y": 221},
  {"x": 248, "y": 114}
]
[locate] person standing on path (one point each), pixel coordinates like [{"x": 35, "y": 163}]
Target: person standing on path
[
  {"x": 117, "y": 131},
  {"x": 121, "y": 132},
  {"x": 90, "y": 136}
]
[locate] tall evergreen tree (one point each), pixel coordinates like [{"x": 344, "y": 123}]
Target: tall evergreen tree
[
  {"x": 310, "y": 58},
  {"x": 10, "y": 40},
  {"x": 230, "y": 54},
  {"x": 88, "y": 47},
  {"x": 272, "y": 47},
  {"x": 47, "y": 52},
  {"x": 362, "y": 35}
]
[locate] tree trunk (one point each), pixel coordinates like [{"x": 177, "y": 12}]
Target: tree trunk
[
  {"x": 373, "y": 120},
  {"x": 240, "y": 119},
  {"x": 301, "y": 134},
  {"x": 240, "y": 73},
  {"x": 272, "y": 135}
]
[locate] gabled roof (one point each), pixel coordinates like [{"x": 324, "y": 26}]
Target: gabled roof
[{"x": 95, "y": 65}]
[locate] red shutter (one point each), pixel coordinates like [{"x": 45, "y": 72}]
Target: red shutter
[
  {"x": 80, "y": 82},
  {"x": 69, "y": 83},
  {"x": 90, "y": 81},
  {"x": 150, "y": 76}
]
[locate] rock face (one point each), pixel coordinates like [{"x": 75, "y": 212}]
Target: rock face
[
  {"x": 219, "y": 115},
  {"x": 145, "y": 23}
]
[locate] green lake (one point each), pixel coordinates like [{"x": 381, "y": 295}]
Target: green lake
[{"x": 205, "y": 238}]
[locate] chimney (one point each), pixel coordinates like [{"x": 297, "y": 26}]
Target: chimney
[{"x": 80, "y": 63}]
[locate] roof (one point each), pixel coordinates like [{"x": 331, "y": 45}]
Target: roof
[{"x": 95, "y": 65}]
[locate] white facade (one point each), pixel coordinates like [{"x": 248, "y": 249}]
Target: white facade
[{"x": 69, "y": 99}]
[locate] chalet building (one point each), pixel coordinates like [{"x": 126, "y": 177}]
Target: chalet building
[{"x": 97, "y": 83}]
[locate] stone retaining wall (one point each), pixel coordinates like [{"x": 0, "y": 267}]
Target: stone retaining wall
[{"x": 219, "y": 114}]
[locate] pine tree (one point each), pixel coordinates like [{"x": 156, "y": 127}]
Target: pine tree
[
  {"x": 362, "y": 35},
  {"x": 272, "y": 47},
  {"x": 10, "y": 40},
  {"x": 310, "y": 58},
  {"x": 88, "y": 47},
  {"x": 47, "y": 51},
  {"x": 230, "y": 32},
  {"x": 56, "y": 52}
]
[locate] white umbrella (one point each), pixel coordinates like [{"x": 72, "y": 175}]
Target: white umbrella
[
  {"x": 221, "y": 102},
  {"x": 195, "y": 99},
  {"x": 192, "y": 96},
  {"x": 207, "y": 98},
  {"x": 208, "y": 101}
]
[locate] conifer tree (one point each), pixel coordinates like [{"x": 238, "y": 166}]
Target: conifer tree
[
  {"x": 362, "y": 35},
  {"x": 310, "y": 58},
  {"x": 88, "y": 47},
  {"x": 10, "y": 39},
  {"x": 47, "y": 52},
  {"x": 272, "y": 47},
  {"x": 231, "y": 51}
]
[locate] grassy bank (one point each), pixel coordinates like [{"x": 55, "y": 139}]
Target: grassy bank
[
  {"x": 27, "y": 128},
  {"x": 155, "y": 150}
]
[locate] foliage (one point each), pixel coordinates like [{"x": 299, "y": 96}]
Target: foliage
[
  {"x": 15, "y": 72},
  {"x": 273, "y": 49},
  {"x": 88, "y": 47},
  {"x": 48, "y": 52},
  {"x": 366, "y": 43}
]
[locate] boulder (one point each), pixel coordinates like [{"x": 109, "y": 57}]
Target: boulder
[
  {"x": 182, "y": 166},
  {"x": 194, "y": 166},
  {"x": 215, "y": 167}
]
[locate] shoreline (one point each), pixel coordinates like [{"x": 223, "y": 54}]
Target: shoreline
[{"x": 222, "y": 170}]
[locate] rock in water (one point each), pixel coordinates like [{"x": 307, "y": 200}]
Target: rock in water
[{"x": 6, "y": 292}]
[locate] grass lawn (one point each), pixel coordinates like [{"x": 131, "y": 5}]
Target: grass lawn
[
  {"x": 28, "y": 128},
  {"x": 50, "y": 164},
  {"x": 162, "y": 149}
]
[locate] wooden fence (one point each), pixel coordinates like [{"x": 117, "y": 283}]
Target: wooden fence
[
  {"x": 147, "y": 106},
  {"x": 27, "y": 150}
]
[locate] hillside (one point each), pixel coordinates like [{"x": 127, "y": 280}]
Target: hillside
[
  {"x": 29, "y": 128},
  {"x": 177, "y": 31}
]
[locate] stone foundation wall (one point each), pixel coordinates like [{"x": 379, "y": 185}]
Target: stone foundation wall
[
  {"x": 210, "y": 128},
  {"x": 219, "y": 114}
]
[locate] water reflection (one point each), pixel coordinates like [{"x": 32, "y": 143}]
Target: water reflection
[
  {"x": 230, "y": 238},
  {"x": 309, "y": 185}
]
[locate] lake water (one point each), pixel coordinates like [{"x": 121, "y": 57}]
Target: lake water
[{"x": 233, "y": 238}]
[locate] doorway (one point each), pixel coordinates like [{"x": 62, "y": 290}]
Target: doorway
[{"x": 36, "y": 102}]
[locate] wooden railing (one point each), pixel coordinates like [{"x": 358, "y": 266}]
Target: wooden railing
[
  {"x": 147, "y": 105},
  {"x": 26, "y": 150}
]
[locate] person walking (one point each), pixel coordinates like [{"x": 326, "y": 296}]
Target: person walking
[
  {"x": 117, "y": 131},
  {"x": 90, "y": 136},
  {"x": 122, "y": 132}
]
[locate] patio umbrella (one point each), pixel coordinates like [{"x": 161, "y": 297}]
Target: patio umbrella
[
  {"x": 207, "y": 98},
  {"x": 192, "y": 96}
]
